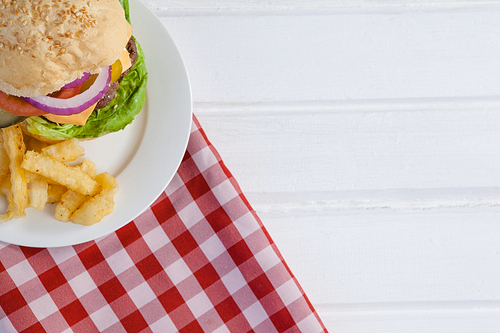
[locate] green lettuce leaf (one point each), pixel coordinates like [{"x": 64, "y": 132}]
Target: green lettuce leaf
[{"x": 121, "y": 111}]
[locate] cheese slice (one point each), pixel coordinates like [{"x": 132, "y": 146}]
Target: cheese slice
[
  {"x": 75, "y": 119},
  {"x": 125, "y": 56},
  {"x": 125, "y": 60}
]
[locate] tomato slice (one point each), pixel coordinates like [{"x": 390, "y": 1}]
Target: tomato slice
[
  {"x": 67, "y": 93},
  {"x": 18, "y": 106}
]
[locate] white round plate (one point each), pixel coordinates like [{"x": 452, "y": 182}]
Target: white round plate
[{"x": 143, "y": 158}]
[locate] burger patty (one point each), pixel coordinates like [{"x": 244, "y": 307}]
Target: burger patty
[{"x": 113, "y": 87}]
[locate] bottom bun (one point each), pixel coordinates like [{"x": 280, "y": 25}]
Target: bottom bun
[
  {"x": 36, "y": 136},
  {"x": 44, "y": 139}
]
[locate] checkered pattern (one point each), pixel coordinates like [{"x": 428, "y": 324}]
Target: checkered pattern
[{"x": 198, "y": 260}]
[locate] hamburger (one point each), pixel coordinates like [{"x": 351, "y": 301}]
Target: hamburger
[{"x": 72, "y": 68}]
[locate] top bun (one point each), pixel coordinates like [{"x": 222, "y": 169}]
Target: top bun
[{"x": 45, "y": 44}]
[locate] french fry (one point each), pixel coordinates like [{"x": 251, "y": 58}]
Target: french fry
[
  {"x": 39, "y": 175},
  {"x": 33, "y": 144},
  {"x": 71, "y": 177},
  {"x": 30, "y": 176},
  {"x": 5, "y": 185},
  {"x": 100, "y": 205},
  {"x": 4, "y": 159},
  {"x": 13, "y": 144},
  {"x": 55, "y": 193},
  {"x": 88, "y": 167},
  {"x": 70, "y": 201},
  {"x": 106, "y": 180},
  {"x": 38, "y": 194},
  {"x": 64, "y": 151}
]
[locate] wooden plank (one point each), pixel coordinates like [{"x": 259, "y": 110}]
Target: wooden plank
[
  {"x": 439, "y": 321},
  {"x": 311, "y": 150},
  {"x": 395, "y": 259},
  {"x": 166, "y": 6},
  {"x": 340, "y": 56}
]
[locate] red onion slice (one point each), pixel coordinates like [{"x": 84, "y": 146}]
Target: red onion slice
[
  {"x": 76, "y": 82},
  {"x": 75, "y": 104}
]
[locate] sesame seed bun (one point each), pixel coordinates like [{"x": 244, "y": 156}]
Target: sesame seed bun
[{"x": 45, "y": 44}]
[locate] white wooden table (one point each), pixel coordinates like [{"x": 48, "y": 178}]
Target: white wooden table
[{"x": 366, "y": 135}]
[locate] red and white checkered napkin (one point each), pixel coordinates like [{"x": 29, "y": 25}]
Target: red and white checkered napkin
[{"x": 198, "y": 260}]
